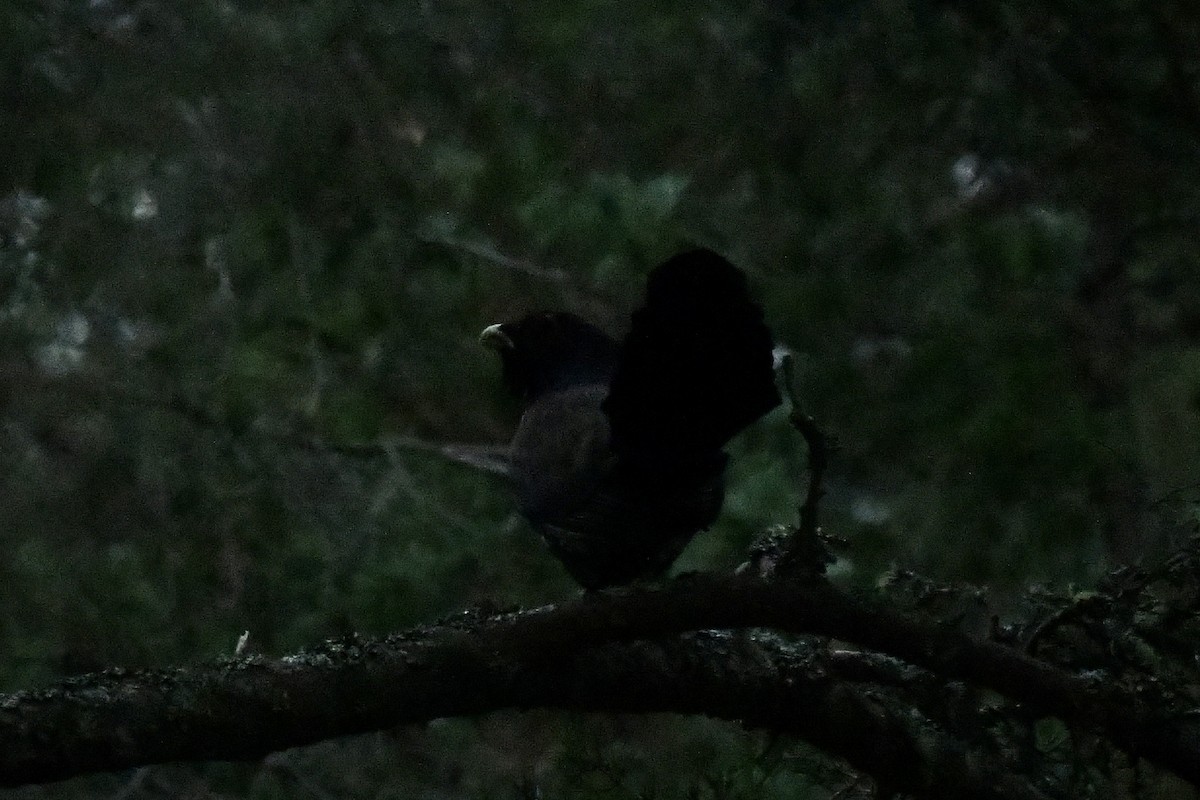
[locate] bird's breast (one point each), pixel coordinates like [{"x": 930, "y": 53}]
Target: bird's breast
[{"x": 560, "y": 451}]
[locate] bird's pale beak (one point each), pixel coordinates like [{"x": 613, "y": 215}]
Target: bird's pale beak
[{"x": 493, "y": 336}]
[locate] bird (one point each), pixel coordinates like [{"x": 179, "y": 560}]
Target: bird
[{"x": 618, "y": 458}]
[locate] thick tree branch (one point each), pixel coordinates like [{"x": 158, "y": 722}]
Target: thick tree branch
[
  {"x": 243, "y": 710},
  {"x": 1140, "y": 726},
  {"x": 541, "y": 657}
]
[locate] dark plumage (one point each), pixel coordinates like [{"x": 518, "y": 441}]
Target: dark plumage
[{"x": 618, "y": 458}]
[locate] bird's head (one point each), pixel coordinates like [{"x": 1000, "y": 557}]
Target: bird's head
[{"x": 546, "y": 350}]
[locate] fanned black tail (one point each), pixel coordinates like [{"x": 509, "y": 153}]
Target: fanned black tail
[{"x": 695, "y": 369}]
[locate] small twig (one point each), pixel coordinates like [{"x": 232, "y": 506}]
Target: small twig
[
  {"x": 490, "y": 458},
  {"x": 1064, "y": 616},
  {"x": 804, "y": 547},
  {"x": 819, "y": 447},
  {"x": 856, "y": 785},
  {"x": 490, "y": 255}
]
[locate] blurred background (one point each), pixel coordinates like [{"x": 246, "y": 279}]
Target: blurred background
[{"x": 246, "y": 250}]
